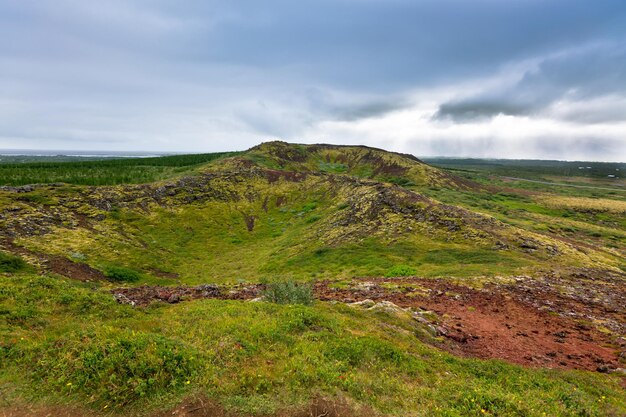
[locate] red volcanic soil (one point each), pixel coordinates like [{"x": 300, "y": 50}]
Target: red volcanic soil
[
  {"x": 531, "y": 323},
  {"x": 493, "y": 324}
]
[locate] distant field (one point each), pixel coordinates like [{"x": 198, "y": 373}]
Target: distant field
[
  {"x": 575, "y": 172},
  {"x": 110, "y": 171},
  {"x": 583, "y": 207}
]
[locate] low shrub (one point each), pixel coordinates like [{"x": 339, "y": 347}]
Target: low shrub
[
  {"x": 289, "y": 292},
  {"x": 313, "y": 218},
  {"x": 121, "y": 274},
  {"x": 401, "y": 271},
  {"x": 11, "y": 263}
]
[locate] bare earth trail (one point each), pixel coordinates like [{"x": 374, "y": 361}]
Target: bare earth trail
[{"x": 531, "y": 322}]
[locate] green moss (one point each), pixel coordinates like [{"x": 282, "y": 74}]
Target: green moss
[
  {"x": 332, "y": 167},
  {"x": 113, "y": 367}
]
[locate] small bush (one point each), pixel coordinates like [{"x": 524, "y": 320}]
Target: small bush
[
  {"x": 313, "y": 218},
  {"x": 309, "y": 207},
  {"x": 11, "y": 263},
  {"x": 120, "y": 274},
  {"x": 321, "y": 251},
  {"x": 289, "y": 292},
  {"x": 401, "y": 271},
  {"x": 402, "y": 181},
  {"x": 78, "y": 256}
]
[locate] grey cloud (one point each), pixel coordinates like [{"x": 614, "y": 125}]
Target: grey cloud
[
  {"x": 352, "y": 107},
  {"x": 478, "y": 109},
  {"x": 579, "y": 76},
  {"x": 203, "y": 75},
  {"x": 583, "y": 147},
  {"x": 371, "y": 109}
]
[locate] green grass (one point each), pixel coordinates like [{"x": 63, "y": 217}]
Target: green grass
[
  {"x": 374, "y": 258},
  {"x": 538, "y": 213},
  {"x": 121, "y": 274},
  {"x": 194, "y": 243},
  {"x": 335, "y": 168},
  {"x": 67, "y": 342},
  {"x": 249, "y": 228},
  {"x": 258, "y": 357},
  {"x": 11, "y": 263},
  {"x": 104, "y": 172},
  {"x": 289, "y": 292},
  {"x": 401, "y": 271},
  {"x": 536, "y": 169}
]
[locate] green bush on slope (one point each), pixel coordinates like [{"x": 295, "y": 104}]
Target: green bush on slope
[
  {"x": 401, "y": 271},
  {"x": 10, "y": 263},
  {"x": 289, "y": 292},
  {"x": 121, "y": 274}
]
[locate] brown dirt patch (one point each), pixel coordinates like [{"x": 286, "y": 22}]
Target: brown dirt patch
[
  {"x": 533, "y": 322},
  {"x": 493, "y": 323},
  {"x": 196, "y": 407},
  {"x": 57, "y": 264},
  {"x": 274, "y": 175},
  {"x": 74, "y": 270}
]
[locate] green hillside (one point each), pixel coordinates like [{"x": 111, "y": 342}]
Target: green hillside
[
  {"x": 251, "y": 222},
  {"x": 235, "y": 225}
]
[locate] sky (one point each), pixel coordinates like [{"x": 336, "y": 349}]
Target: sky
[{"x": 484, "y": 78}]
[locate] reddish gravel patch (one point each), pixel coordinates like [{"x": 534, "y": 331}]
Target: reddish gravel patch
[
  {"x": 496, "y": 326},
  {"x": 146, "y": 294},
  {"x": 492, "y": 324},
  {"x": 522, "y": 324}
]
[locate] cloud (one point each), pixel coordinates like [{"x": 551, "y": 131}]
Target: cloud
[
  {"x": 413, "y": 131},
  {"x": 209, "y": 76},
  {"x": 586, "y": 84}
]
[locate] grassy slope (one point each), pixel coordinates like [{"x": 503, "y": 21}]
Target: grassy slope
[
  {"x": 593, "y": 217},
  {"x": 358, "y": 161},
  {"x": 247, "y": 225},
  {"x": 260, "y": 357},
  {"x": 61, "y": 340}
]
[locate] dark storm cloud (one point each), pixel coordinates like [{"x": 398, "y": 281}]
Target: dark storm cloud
[
  {"x": 203, "y": 75},
  {"x": 590, "y": 73},
  {"x": 370, "y": 109},
  {"x": 353, "y": 107}
]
